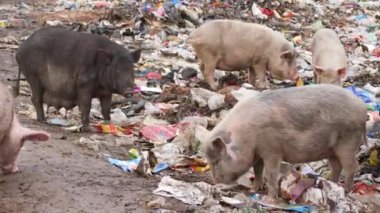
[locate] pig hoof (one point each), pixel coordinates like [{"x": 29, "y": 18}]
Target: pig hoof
[
  {"x": 214, "y": 86},
  {"x": 270, "y": 199},
  {"x": 12, "y": 172},
  {"x": 85, "y": 129}
]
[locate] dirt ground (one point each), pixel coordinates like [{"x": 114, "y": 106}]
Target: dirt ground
[{"x": 59, "y": 176}]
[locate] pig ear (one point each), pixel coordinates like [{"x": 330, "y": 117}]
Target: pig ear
[
  {"x": 342, "y": 72},
  {"x": 318, "y": 70},
  {"x": 136, "y": 55},
  {"x": 104, "y": 55},
  {"x": 32, "y": 135},
  {"x": 219, "y": 146},
  {"x": 287, "y": 54}
]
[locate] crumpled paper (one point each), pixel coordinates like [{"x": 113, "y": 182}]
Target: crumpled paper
[
  {"x": 331, "y": 195},
  {"x": 189, "y": 193},
  {"x": 321, "y": 167}
]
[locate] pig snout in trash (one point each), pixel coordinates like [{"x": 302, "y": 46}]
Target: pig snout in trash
[
  {"x": 329, "y": 58},
  {"x": 232, "y": 45},
  {"x": 294, "y": 125},
  {"x": 129, "y": 93},
  {"x": 67, "y": 69},
  {"x": 12, "y": 133}
]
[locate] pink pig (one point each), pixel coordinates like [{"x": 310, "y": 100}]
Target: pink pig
[
  {"x": 329, "y": 58},
  {"x": 12, "y": 133}
]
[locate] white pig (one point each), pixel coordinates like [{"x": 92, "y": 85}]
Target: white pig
[
  {"x": 329, "y": 58},
  {"x": 295, "y": 125},
  {"x": 12, "y": 133},
  {"x": 232, "y": 45}
]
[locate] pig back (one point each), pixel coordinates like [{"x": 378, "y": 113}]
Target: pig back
[
  {"x": 299, "y": 108},
  {"x": 63, "y": 59},
  {"x": 327, "y": 103},
  {"x": 233, "y": 36}
]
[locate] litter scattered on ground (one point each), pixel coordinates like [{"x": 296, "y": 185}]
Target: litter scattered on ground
[{"x": 172, "y": 100}]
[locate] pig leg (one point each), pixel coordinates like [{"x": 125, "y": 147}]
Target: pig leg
[
  {"x": 207, "y": 67},
  {"x": 37, "y": 98},
  {"x": 209, "y": 70},
  {"x": 84, "y": 104},
  {"x": 252, "y": 76},
  {"x": 272, "y": 169},
  {"x": 258, "y": 182},
  {"x": 260, "y": 70},
  {"x": 202, "y": 67},
  {"x": 349, "y": 165},
  {"x": 347, "y": 147},
  {"x": 336, "y": 169},
  {"x": 315, "y": 78},
  {"x": 105, "y": 103}
]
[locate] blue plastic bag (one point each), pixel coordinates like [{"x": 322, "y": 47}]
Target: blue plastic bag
[
  {"x": 366, "y": 96},
  {"x": 126, "y": 166},
  {"x": 160, "y": 167}
]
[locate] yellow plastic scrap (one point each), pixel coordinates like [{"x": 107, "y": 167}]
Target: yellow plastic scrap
[
  {"x": 373, "y": 159},
  {"x": 299, "y": 82},
  {"x": 3, "y": 24},
  {"x": 346, "y": 84},
  {"x": 134, "y": 153},
  {"x": 201, "y": 168}
]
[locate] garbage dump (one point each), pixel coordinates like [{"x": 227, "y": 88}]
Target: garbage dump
[{"x": 181, "y": 93}]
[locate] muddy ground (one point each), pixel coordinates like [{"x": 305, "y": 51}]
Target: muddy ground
[{"x": 59, "y": 176}]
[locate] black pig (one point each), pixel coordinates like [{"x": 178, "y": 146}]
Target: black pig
[{"x": 67, "y": 69}]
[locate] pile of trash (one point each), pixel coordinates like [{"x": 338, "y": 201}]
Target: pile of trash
[{"x": 157, "y": 129}]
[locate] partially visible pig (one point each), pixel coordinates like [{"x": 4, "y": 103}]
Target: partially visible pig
[
  {"x": 329, "y": 58},
  {"x": 12, "y": 133},
  {"x": 295, "y": 125},
  {"x": 66, "y": 68},
  {"x": 232, "y": 45}
]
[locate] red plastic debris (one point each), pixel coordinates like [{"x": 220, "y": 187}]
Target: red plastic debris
[
  {"x": 154, "y": 76},
  {"x": 158, "y": 132},
  {"x": 267, "y": 12}
]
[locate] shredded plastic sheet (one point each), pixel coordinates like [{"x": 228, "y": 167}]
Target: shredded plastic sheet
[{"x": 283, "y": 206}]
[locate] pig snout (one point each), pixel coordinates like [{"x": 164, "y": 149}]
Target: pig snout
[
  {"x": 294, "y": 75},
  {"x": 291, "y": 75},
  {"x": 223, "y": 177},
  {"x": 129, "y": 93}
]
